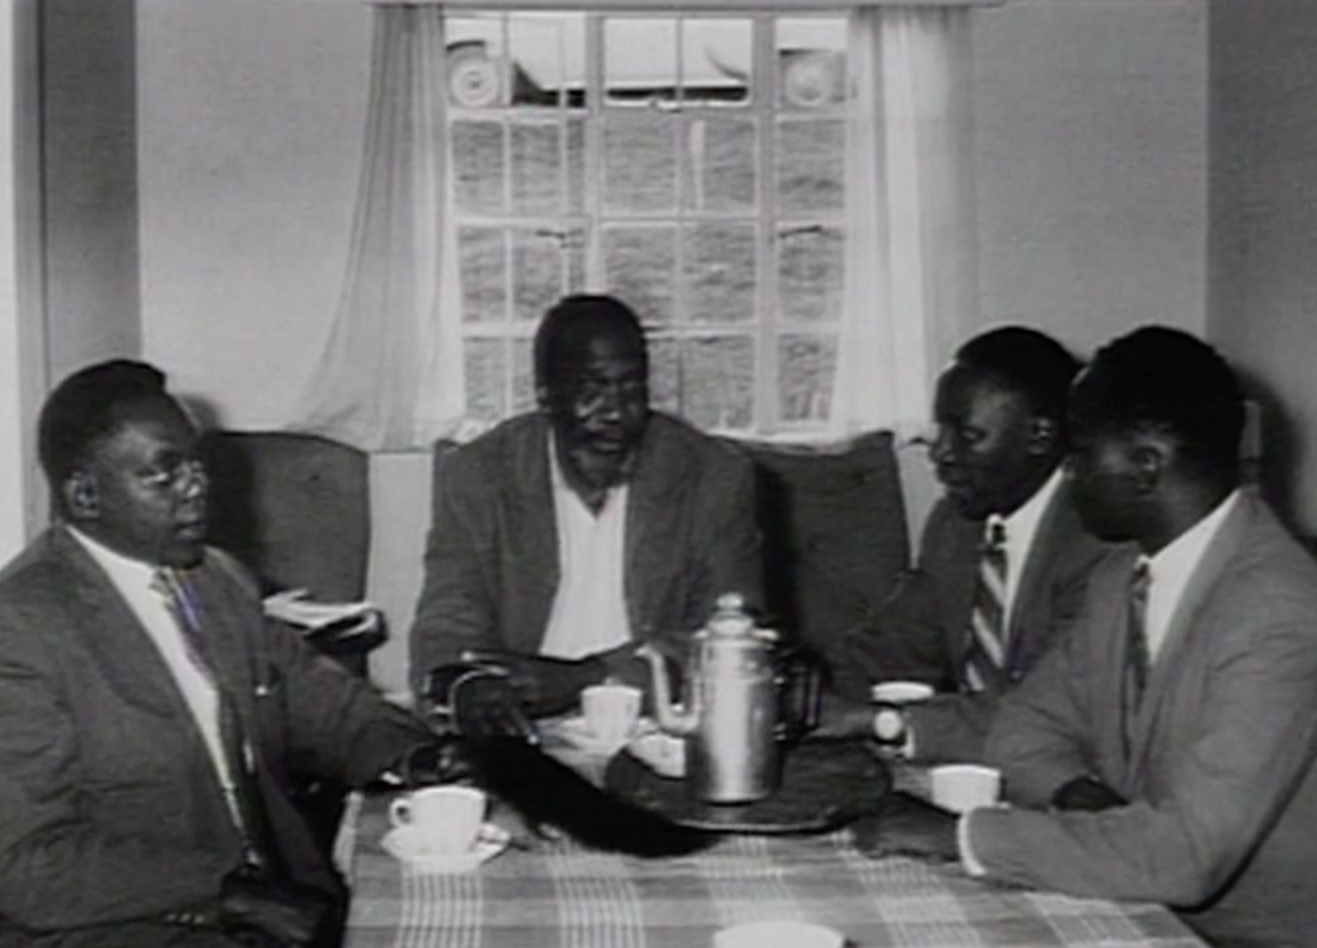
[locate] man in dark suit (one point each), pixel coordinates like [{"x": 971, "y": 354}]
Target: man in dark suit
[
  {"x": 149, "y": 715},
  {"x": 565, "y": 537},
  {"x": 1003, "y": 564},
  {"x": 1166, "y": 749}
]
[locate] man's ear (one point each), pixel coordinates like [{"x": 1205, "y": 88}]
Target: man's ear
[
  {"x": 542, "y": 398},
  {"x": 1043, "y": 436},
  {"x": 81, "y": 498}
]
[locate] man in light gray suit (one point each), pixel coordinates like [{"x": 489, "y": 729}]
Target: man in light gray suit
[{"x": 1166, "y": 750}]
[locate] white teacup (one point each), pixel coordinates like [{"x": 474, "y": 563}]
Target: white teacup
[
  {"x": 901, "y": 692},
  {"x": 778, "y": 933},
  {"x": 961, "y": 787},
  {"x": 441, "y": 820},
  {"x": 611, "y": 711}
]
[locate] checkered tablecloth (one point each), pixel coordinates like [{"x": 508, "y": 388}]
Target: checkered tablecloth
[{"x": 564, "y": 896}]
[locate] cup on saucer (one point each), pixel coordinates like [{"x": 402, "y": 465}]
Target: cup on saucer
[
  {"x": 900, "y": 692},
  {"x": 439, "y": 821},
  {"x": 961, "y": 787},
  {"x": 611, "y": 712}
]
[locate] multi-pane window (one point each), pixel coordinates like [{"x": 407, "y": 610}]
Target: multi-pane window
[{"x": 693, "y": 166}]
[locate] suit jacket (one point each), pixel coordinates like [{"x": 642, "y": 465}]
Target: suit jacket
[
  {"x": 110, "y": 811},
  {"x": 1220, "y": 770},
  {"x": 491, "y": 564},
  {"x": 922, "y": 631}
]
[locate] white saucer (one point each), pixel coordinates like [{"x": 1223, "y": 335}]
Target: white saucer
[
  {"x": 661, "y": 753},
  {"x": 404, "y": 846},
  {"x": 574, "y": 732}
]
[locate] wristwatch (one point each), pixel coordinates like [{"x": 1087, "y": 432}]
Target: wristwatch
[{"x": 890, "y": 728}]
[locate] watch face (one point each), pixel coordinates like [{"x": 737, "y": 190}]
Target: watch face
[{"x": 889, "y": 725}]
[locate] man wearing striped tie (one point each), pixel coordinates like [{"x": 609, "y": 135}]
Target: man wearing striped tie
[
  {"x": 1166, "y": 749},
  {"x": 1004, "y": 560}
]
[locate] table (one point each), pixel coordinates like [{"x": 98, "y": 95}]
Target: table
[{"x": 564, "y": 896}]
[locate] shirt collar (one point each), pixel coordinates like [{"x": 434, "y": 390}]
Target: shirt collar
[
  {"x": 124, "y": 571},
  {"x": 1022, "y": 523},
  {"x": 1172, "y": 565}
]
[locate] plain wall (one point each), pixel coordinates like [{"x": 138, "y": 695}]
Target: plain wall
[
  {"x": 1090, "y": 178},
  {"x": 1263, "y": 292}
]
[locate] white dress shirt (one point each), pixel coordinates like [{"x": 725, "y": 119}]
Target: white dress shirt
[
  {"x": 133, "y": 580},
  {"x": 589, "y": 612}
]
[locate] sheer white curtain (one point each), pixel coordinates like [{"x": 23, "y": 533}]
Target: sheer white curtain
[
  {"x": 911, "y": 267},
  {"x": 380, "y": 383}
]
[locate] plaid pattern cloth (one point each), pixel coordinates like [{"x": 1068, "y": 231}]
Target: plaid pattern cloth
[{"x": 564, "y": 896}]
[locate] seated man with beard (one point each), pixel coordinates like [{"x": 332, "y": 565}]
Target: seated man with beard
[{"x": 565, "y": 537}]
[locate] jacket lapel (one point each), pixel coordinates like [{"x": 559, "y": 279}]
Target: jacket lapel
[
  {"x": 1056, "y": 528},
  {"x": 1184, "y": 621},
  {"x": 649, "y": 525},
  {"x": 534, "y": 523},
  {"x": 109, "y": 628}
]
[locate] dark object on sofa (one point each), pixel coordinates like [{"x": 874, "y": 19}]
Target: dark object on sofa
[
  {"x": 835, "y": 533},
  {"x": 295, "y": 510}
]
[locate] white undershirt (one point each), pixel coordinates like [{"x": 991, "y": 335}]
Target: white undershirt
[
  {"x": 132, "y": 579},
  {"x": 589, "y": 612}
]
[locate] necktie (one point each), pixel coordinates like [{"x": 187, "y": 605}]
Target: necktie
[
  {"x": 987, "y": 640},
  {"x": 1137, "y": 659},
  {"x": 254, "y": 821}
]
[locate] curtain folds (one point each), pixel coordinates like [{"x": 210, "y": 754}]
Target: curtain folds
[
  {"x": 382, "y": 382},
  {"x": 911, "y": 266}
]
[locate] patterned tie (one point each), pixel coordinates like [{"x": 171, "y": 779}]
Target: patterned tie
[
  {"x": 1137, "y": 658},
  {"x": 987, "y": 640},
  {"x": 255, "y": 826}
]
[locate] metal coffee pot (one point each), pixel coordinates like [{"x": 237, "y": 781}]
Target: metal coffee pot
[{"x": 729, "y": 715}]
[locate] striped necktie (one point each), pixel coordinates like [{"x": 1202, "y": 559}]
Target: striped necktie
[
  {"x": 254, "y": 822},
  {"x": 987, "y": 639}
]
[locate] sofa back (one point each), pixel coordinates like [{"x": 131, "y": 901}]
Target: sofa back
[{"x": 835, "y": 531}]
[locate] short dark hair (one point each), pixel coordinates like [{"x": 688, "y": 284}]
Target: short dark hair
[
  {"x": 88, "y": 406},
  {"x": 1027, "y": 361},
  {"x": 568, "y": 325},
  {"x": 1166, "y": 379}
]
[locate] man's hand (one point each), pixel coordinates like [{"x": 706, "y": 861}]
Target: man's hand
[
  {"x": 542, "y": 685},
  {"x": 1086, "y": 793},
  {"x": 478, "y": 701},
  {"x": 440, "y": 761},
  {"x": 257, "y": 910},
  {"x": 908, "y": 826}
]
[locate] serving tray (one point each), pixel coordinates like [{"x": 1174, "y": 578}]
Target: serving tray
[{"x": 825, "y": 785}]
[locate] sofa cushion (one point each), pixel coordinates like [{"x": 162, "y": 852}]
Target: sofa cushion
[
  {"x": 293, "y": 508},
  {"x": 835, "y": 533}
]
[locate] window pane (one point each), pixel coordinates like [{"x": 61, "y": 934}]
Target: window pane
[
  {"x": 811, "y": 165},
  {"x": 720, "y": 272},
  {"x": 640, "y": 268},
  {"x": 485, "y": 374},
  {"x": 523, "y": 376},
  {"x": 640, "y": 60},
  {"x": 716, "y": 60},
  {"x": 717, "y": 375},
  {"x": 482, "y": 267},
  {"x": 665, "y": 373},
  {"x": 810, "y": 269},
  {"x": 806, "y": 364},
  {"x": 544, "y": 263},
  {"x": 548, "y": 59},
  {"x": 537, "y": 168},
  {"x": 811, "y": 63},
  {"x": 720, "y": 169},
  {"x": 478, "y": 165},
  {"x": 576, "y": 166},
  {"x": 640, "y": 163},
  {"x": 477, "y": 67}
]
